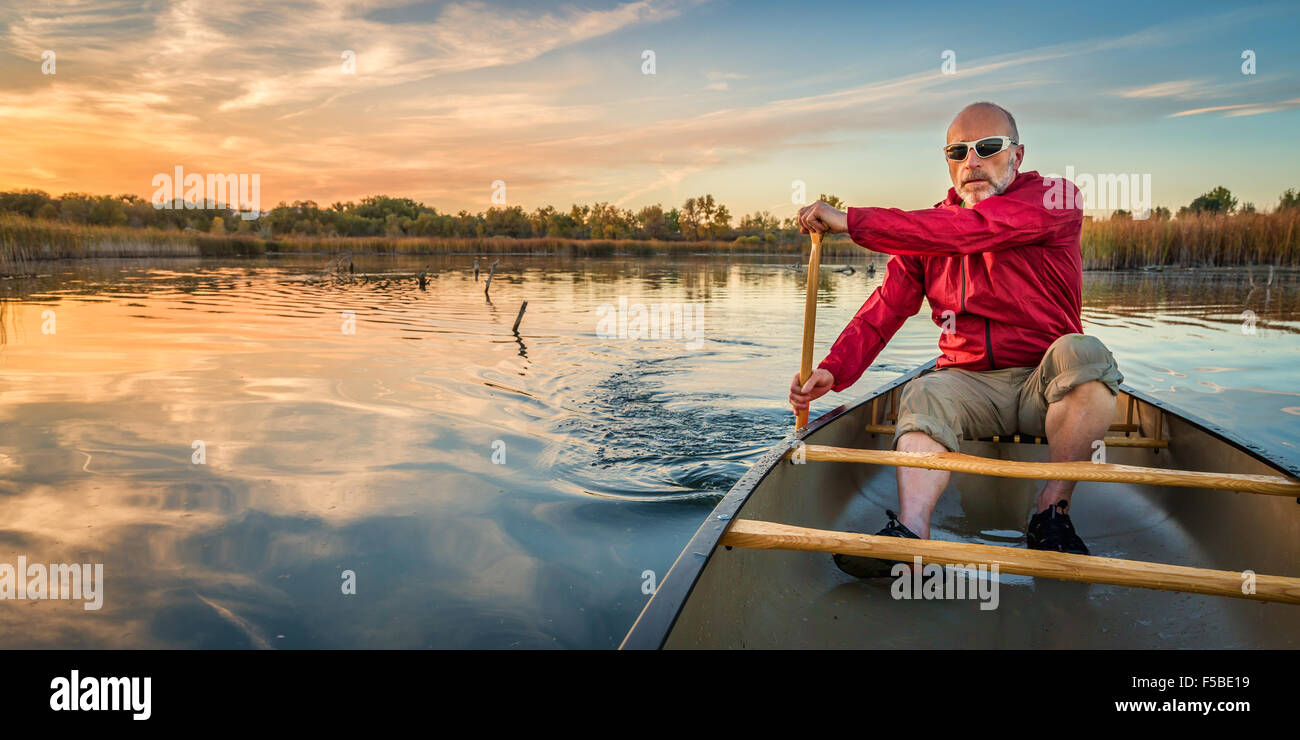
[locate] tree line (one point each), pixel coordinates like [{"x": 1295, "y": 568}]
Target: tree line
[
  {"x": 701, "y": 218},
  {"x": 1218, "y": 202}
]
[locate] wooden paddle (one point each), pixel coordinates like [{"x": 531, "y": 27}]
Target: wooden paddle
[
  {"x": 809, "y": 322},
  {"x": 758, "y": 535}
]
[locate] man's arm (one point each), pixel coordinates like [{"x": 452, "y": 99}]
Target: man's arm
[
  {"x": 1015, "y": 219},
  {"x": 897, "y": 298}
]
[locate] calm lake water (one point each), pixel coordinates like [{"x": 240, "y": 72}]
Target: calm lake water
[{"x": 487, "y": 489}]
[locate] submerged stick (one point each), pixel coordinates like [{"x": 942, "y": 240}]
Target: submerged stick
[
  {"x": 488, "y": 286},
  {"x": 519, "y": 318}
]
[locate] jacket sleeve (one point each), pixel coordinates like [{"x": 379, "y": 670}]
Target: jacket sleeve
[
  {"x": 1030, "y": 215},
  {"x": 897, "y": 298}
]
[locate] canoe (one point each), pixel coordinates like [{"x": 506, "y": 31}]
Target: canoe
[{"x": 1150, "y": 515}]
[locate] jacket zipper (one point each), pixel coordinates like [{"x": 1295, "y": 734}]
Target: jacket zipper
[
  {"x": 988, "y": 332},
  {"x": 988, "y": 344},
  {"x": 963, "y": 284}
]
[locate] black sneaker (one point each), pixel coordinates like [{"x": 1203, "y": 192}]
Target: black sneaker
[
  {"x": 864, "y": 567},
  {"x": 1051, "y": 529}
]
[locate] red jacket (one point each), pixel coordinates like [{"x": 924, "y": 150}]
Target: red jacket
[{"x": 1009, "y": 269}]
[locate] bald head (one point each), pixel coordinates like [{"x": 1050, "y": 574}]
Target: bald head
[
  {"x": 976, "y": 178},
  {"x": 989, "y": 116}
]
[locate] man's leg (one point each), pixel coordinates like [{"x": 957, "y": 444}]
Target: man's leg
[
  {"x": 936, "y": 409},
  {"x": 919, "y": 489},
  {"x": 1074, "y": 423},
  {"x": 1070, "y": 398}
]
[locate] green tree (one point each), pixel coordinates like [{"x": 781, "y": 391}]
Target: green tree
[
  {"x": 511, "y": 221},
  {"x": 1218, "y": 201},
  {"x": 702, "y": 217},
  {"x": 652, "y": 221},
  {"x": 75, "y": 207},
  {"x": 673, "y": 222},
  {"x": 468, "y": 224},
  {"x": 689, "y": 220},
  {"x": 606, "y": 221},
  {"x": 380, "y": 206},
  {"x": 832, "y": 201},
  {"x": 561, "y": 225},
  {"x": 759, "y": 224},
  {"x": 1290, "y": 199},
  {"x": 107, "y": 211},
  {"x": 579, "y": 216},
  {"x": 720, "y": 224},
  {"x": 706, "y": 206},
  {"x": 26, "y": 202},
  {"x": 539, "y": 218},
  {"x": 392, "y": 225}
]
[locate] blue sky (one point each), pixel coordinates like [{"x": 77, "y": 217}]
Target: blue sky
[{"x": 550, "y": 98}]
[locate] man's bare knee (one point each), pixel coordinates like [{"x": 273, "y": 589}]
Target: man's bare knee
[
  {"x": 918, "y": 442},
  {"x": 1091, "y": 392}
]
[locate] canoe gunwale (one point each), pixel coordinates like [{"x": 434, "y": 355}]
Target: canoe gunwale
[
  {"x": 1239, "y": 442},
  {"x": 652, "y": 627}
]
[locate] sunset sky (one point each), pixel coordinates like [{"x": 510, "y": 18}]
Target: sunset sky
[{"x": 551, "y": 98}]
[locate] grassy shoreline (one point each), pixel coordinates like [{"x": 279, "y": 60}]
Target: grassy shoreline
[{"x": 1116, "y": 244}]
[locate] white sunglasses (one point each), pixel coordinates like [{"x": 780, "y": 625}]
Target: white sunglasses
[{"x": 985, "y": 148}]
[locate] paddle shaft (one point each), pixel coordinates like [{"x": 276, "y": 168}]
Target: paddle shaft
[
  {"x": 1062, "y": 566},
  {"x": 809, "y": 322}
]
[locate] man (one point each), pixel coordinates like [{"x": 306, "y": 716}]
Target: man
[{"x": 999, "y": 261}]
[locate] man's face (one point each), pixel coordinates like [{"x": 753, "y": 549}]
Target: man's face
[{"x": 974, "y": 178}]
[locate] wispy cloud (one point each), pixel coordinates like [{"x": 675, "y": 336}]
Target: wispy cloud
[
  {"x": 722, "y": 80},
  {"x": 1171, "y": 89},
  {"x": 1243, "y": 109}
]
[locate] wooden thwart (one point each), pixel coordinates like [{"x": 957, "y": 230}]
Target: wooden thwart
[
  {"x": 1110, "y": 441},
  {"x": 1077, "y": 471},
  {"x": 760, "y": 535}
]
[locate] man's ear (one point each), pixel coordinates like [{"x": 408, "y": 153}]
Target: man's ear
[{"x": 1020, "y": 156}]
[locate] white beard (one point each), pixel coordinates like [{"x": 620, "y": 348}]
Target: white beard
[{"x": 1000, "y": 184}]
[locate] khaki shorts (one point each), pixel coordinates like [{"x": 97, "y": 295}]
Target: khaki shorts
[{"x": 948, "y": 403}]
